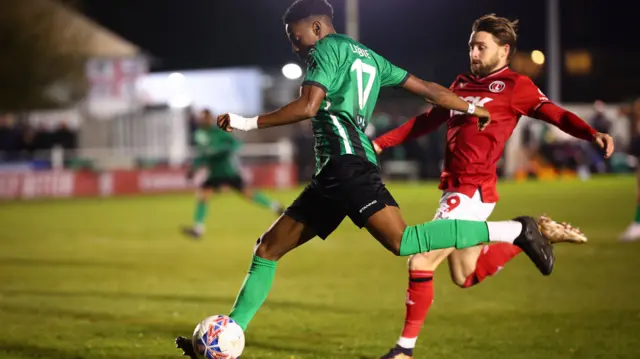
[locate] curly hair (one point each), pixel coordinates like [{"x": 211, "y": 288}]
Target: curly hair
[{"x": 302, "y": 9}]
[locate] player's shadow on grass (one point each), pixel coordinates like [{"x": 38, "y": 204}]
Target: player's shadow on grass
[
  {"x": 136, "y": 325},
  {"x": 288, "y": 350},
  {"x": 326, "y": 348},
  {"x": 31, "y": 351}
]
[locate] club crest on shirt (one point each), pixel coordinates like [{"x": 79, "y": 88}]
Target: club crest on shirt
[{"x": 496, "y": 86}]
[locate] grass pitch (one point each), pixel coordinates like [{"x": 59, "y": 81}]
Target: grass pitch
[{"x": 113, "y": 278}]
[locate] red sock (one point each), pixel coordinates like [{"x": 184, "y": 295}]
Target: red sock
[
  {"x": 419, "y": 299},
  {"x": 492, "y": 258}
]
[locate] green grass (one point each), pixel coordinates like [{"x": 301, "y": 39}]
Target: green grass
[{"x": 112, "y": 278}]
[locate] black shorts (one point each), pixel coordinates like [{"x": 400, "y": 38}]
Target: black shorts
[
  {"x": 348, "y": 185},
  {"x": 215, "y": 183}
]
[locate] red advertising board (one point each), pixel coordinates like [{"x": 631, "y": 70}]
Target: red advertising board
[{"x": 65, "y": 184}]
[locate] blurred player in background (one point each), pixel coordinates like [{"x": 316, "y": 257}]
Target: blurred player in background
[
  {"x": 632, "y": 233},
  {"x": 216, "y": 150},
  {"x": 469, "y": 178}
]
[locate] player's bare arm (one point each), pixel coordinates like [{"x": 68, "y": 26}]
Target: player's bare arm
[
  {"x": 443, "y": 97},
  {"x": 570, "y": 123},
  {"x": 304, "y": 107}
]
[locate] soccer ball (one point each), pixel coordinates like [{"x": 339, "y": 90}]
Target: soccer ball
[{"x": 218, "y": 337}]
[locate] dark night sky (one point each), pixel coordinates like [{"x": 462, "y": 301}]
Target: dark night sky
[{"x": 427, "y": 37}]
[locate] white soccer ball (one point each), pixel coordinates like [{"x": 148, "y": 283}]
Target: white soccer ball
[{"x": 218, "y": 337}]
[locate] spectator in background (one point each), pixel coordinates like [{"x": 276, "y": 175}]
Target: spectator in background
[
  {"x": 44, "y": 137},
  {"x": 600, "y": 122},
  {"x": 9, "y": 139},
  {"x": 28, "y": 144},
  {"x": 5, "y": 135},
  {"x": 65, "y": 137},
  {"x": 20, "y": 141},
  {"x": 433, "y": 160},
  {"x": 545, "y": 146},
  {"x": 529, "y": 146},
  {"x": 593, "y": 154},
  {"x": 632, "y": 112},
  {"x": 381, "y": 122}
]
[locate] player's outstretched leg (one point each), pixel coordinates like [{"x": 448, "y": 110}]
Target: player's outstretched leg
[
  {"x": 418, "y": 300},
  {"x": 468, "y": 267},
  {"x": 388, "y": 227},
  {"x": 420, "y": 294},
  {"x": 283, "y": 236},
  {"x": 472, "y": 265},
  {"x": 199, "y": 214},
  {"x": 263, "y": 200}
]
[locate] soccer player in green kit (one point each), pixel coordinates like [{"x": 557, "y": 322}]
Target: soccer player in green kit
[
  {"x": 339, "y": 94},
  {"x": 217, "y": 151}
]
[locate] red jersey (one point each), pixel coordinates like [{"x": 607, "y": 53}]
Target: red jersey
[{"x": 471, "y": 156}]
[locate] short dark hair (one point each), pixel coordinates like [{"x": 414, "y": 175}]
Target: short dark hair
[
  {"x": 503, "y": 30},
  {"x": 302, "y": 9}
]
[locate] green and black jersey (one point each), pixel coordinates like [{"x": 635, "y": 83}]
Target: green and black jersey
[
  {"x": 351, "y": 75},
  {"x": 216, "y": 150}
]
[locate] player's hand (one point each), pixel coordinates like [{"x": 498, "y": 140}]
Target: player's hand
[
  {"x": 484, "y": 117},
  {"x": 605, "y": 142},
  {"x": 224, "y": 122},
  {"x": 231, "y": 121},
  {"x": 377, "y": 148}
]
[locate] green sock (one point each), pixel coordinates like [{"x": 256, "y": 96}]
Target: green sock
[
  {"x": 637, "y": 220},
  {"x": 254, "y": 291},
  {"x": 261, "y": 199},
  {"x": 200, "y": 213},
  {"x": 441, "y": 234}
]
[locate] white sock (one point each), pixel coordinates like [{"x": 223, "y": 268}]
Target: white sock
[
  {"x": 407, "y": 343},
  {"x": 199, "y": 228},
  {"x": 505, "y": 231}
]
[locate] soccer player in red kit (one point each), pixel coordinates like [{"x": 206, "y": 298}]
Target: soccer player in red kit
[{"x": 469, "y": 178}]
